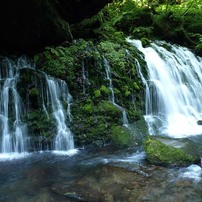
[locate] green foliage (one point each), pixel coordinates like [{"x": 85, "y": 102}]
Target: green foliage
[
  {"x": 141, "y": 32},
  {"x": 169, "y": 20},
  {"x": 198, "y": 48},
  {"x": 184, "y": 20},
  {"x": 145, "y": 41},
  {"x": 61, "y": 61}
]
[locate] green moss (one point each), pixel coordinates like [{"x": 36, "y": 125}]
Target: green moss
[
  {"x": 61, "y": 61},
  {"x": 113, "y": 53},
  {"x": 135, "y": 85},
  {"x": 104, "y": 90},
  {"x": 127, "y": 93},
  {"x": 122, "y": 137},
  {"x": 145, "y": 42},
  {"x": 40, "y": 125},
  {"x": 97, "y": 93},
  {"x": 109, "y": 108},
  {"x": 159, "y": 153},
  {"x": 34, "y": 92},
  {"x": 88, "y": 108},
  {"x": 91, "y": 94},
  {"x": 117, "y": 92}
]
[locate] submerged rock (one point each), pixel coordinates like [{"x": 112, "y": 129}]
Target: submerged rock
[
  {"x": 170, "y": 152},
  {"x": 199, "y": 122}
]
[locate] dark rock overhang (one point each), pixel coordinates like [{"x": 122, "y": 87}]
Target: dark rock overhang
[{"x": 27, "y": 25}]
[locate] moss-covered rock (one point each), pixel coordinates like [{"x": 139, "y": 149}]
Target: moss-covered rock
[
  {"x": 82, "y": 65},
  {"x": 161, "y": 152},
  {"x": 122, "y": 137}
]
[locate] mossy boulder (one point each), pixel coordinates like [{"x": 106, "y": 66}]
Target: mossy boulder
[
  {"x": 122, "y": 137},
  {"x": 165, "y": 152}
]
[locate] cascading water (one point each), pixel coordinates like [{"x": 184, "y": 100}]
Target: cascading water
[
  {"x": 84, "y": 76},
  {"x": 108, "y": 77},
  {"x": 173, "y": 89},
  {"x": 57, "y": 89},
  {"x": 112, "y": 97},
  {"x": 54, "y": 92},
  {"x": 11, "y": 126}
]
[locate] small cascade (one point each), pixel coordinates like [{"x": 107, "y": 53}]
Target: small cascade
[
  {"x": 11, "y": 109},
  {"x": 84, "y": 76},
  {"x": 125, "y": 119},
  {"x": 108, "y": 77},
  {"x": 58, "y": 90},
  {"x": 173, "y": 89},
  {"x": 112, "y": 97}
]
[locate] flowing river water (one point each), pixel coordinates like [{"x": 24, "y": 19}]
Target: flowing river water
[{"x": 106, "y": 175}]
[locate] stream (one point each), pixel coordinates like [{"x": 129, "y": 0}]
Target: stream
[{"x": 104, "y": 175}]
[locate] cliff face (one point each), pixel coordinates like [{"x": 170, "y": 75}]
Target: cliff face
[{"x": 27, "y": 25}]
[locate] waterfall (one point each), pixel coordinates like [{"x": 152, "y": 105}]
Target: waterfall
[
  {"x": 173, "y": 89},
  {"x": 58, "y": 90},
  {"x": 54, "y": 94},
  {"x": 112, "y": 97},
  {"x": 11, "y": 109},
  {"x": 108, "y": 77}
]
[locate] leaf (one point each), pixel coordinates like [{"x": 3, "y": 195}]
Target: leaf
[{"x": 36, "y": 58}]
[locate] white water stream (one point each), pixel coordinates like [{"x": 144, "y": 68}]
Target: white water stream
[
  {"x": 173, "y": 89},
  {"x": 58, "y": 90},
  {"x": 54, "y": 94},
  {"x": 112, "y": 97},
  {"x": 13, "y": 139}
]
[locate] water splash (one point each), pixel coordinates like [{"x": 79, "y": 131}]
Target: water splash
[
  {"x": 193, "y": 172},
  {"x": 173, "y": 98}
]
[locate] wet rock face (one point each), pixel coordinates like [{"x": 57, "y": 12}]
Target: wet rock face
[{"x": 27, "y": 25}]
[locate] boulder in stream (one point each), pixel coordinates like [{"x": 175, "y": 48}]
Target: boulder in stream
[{"x": 170, "y": 152}]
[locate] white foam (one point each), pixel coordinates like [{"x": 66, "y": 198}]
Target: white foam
[
  {"x": 13, "y": 156},
  {"x": 70, "y": 152},
  {"x": 134, "y": 158},
  {"x": 192, "y": 172}
]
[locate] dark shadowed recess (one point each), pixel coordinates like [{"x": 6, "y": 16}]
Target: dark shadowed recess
[{"x": 31, "y": 25}]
